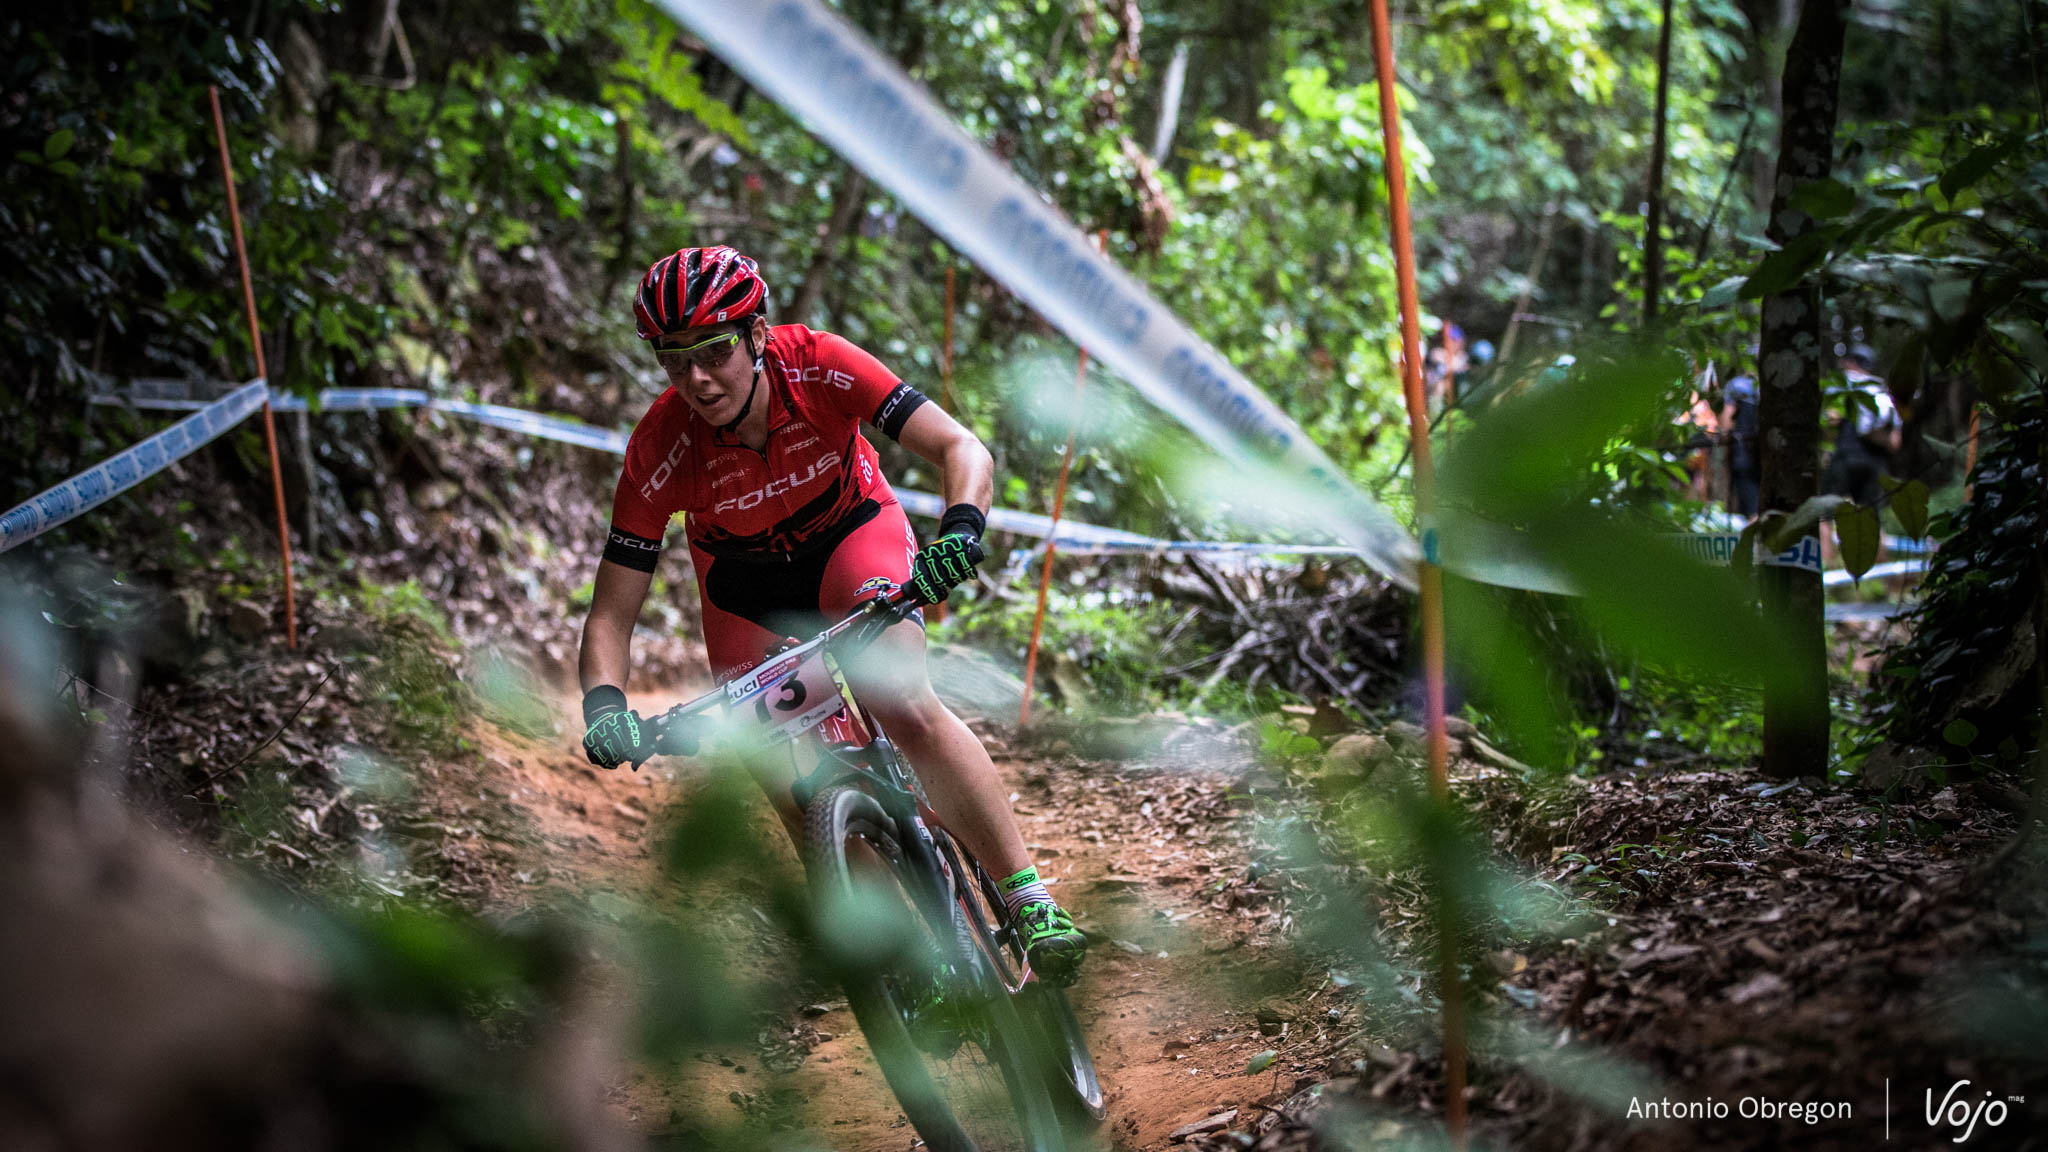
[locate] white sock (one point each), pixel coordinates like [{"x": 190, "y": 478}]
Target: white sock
[{"x": 1024, "y": 888}]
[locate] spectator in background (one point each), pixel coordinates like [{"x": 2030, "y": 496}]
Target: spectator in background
[
  {"x": 1739, "y": 424},
  {"x": 1703, "y": 417},
  {"x": 1479, "y": 363},
  {"x": 1445, "y": 367},
  {"x": 1868, "y": 435}
]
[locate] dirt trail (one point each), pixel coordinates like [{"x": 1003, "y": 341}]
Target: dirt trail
[{"x": 1146, "y": 855}]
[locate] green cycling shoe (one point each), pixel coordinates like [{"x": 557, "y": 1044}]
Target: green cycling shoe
[{"x": 1052, "y": 943}]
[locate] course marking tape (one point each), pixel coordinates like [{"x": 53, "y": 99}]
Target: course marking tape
[
  {"x": 129, "y": 467},
  {"x": 1716, "y": 522},
  {"x": 535, "y": 424},
  {"x": 165, "y": 396},
  {"x": 1073, "y": 537},
  {"x": 1836, "y": 577},
  {"x": 1804, "y": 554},
  {"x": 1718, "y": 549},
  {"x": 371, "y": 399},
  {"x": 1237, "y": 547},
  {"x": 821, "y": 69},
  {"x": 1884, "y": 610},
  {"x": 1072, "y": 533}
]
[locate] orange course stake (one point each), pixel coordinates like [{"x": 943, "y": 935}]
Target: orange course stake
[
  {"x": 1059, "y": 502},
  {"x": 1430, "y": 575},
  {"x": 284, "y": 539}
]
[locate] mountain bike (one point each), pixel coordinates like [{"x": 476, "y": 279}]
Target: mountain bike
[{"x": 982, "y": 1056}]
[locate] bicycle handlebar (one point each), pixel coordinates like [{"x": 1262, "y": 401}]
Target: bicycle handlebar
[{"x": 674, "y": 736}]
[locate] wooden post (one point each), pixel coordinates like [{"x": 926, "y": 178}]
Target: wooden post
[
  {"x": 284, "y": 538},
  {"x": 1059, "y": 503},
  {"x": 1430, "y": 574}
]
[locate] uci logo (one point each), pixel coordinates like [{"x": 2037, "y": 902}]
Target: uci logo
[{"x": 1960, "y": 1112}]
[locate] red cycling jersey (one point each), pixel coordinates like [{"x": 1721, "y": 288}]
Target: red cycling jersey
[{"x": 815, "y": 478}]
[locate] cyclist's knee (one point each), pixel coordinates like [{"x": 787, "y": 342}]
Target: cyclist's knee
[{"x": 912, "y": 717}]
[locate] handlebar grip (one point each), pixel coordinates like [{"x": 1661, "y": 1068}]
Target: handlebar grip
[{"x": 674, "y": 737}]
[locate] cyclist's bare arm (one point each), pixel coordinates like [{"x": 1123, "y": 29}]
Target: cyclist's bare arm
[
  {"x": 615, "y": 601},
  {"x": 966, "y": 470}
]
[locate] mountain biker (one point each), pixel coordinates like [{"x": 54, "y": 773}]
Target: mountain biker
[{"x": 790, "y": 522}]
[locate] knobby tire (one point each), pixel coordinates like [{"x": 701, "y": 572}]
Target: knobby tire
[
  {"x": 1061, "y": 1048},
  {"x": 852, "y": 846}
]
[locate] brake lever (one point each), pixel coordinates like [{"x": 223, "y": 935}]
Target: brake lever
[
  {"x": 882, "y": 612},
  {"x": 677, "y": 736}
]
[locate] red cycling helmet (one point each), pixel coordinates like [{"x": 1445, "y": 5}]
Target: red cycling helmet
[{"x": 695, "y": 287}]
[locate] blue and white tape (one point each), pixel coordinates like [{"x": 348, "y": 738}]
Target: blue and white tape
[
  {"x": 534, "y": 424},
  {"x": 124, "y": 470},
  {"x": 1836, "y": 577},
  {"x": 818, "y": 67},
  {"x": 170, "y": 396},
  {"x": 1718, "y": 549},
  {"x": 1025, "y": 558},
  {"x": 372, "y": 399},
  {"x": 1715, "y": 548},
  {"x": 1803, "y": 554},
  {"x": 176, "y": 396},
  {"x": 1072, "y": 534}
]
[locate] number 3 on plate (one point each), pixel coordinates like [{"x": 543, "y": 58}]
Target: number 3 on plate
[{"x": 790, "y": 696}]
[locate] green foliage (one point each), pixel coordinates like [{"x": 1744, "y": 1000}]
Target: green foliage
[
  {"x": 510, "y": 694},
  {"x": 1962, "y": 676},
  {"x": 1119, "y": 645},
  {"x": 1623, "y": 872},
  {"x": 1282, "y": 744},
  {"x": 374, "y": 213},
  {"x": 1534, "y": 465},
  {"x": 116, "y": 216},
  {"x": 1561, "y": 122},
  {"x": 413, "y": 675},
  {"x": 1666, "y": 716},
  {"x": 1297, "y": 200},
  {"x": 651, "y": 67}
]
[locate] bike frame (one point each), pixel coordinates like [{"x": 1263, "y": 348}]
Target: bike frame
[{"x": 800, "y": 692}]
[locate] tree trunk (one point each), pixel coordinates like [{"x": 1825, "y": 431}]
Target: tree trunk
[
  {"x": 1770, "y": 21},
  {"x": 1653, "y": 229},
  {"x": 1796, "y": 699},
  {"x": 846, "y": 205}
]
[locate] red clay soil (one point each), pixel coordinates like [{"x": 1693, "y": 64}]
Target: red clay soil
[
  {"x": 1784, "y": 943},
  {"x": 1144, "y": 855}
]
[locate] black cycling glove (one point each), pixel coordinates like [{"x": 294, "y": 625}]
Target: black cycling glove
[
  {"x": 614, "y": 734},
  {"x": 948, "y": 561}
]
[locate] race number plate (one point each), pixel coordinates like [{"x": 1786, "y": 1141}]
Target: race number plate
[{"x": 787, "y": 696}]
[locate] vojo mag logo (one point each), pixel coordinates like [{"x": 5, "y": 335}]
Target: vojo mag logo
[{"x": 1962, "y": 1110}]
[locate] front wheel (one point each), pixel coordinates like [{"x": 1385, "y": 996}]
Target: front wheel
[
  {"x": 1061, "y": 1047},
  {"x": 948, "y": 1040}
]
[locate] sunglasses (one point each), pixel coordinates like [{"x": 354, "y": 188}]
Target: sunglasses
[{"x": 704, "y": 354}]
